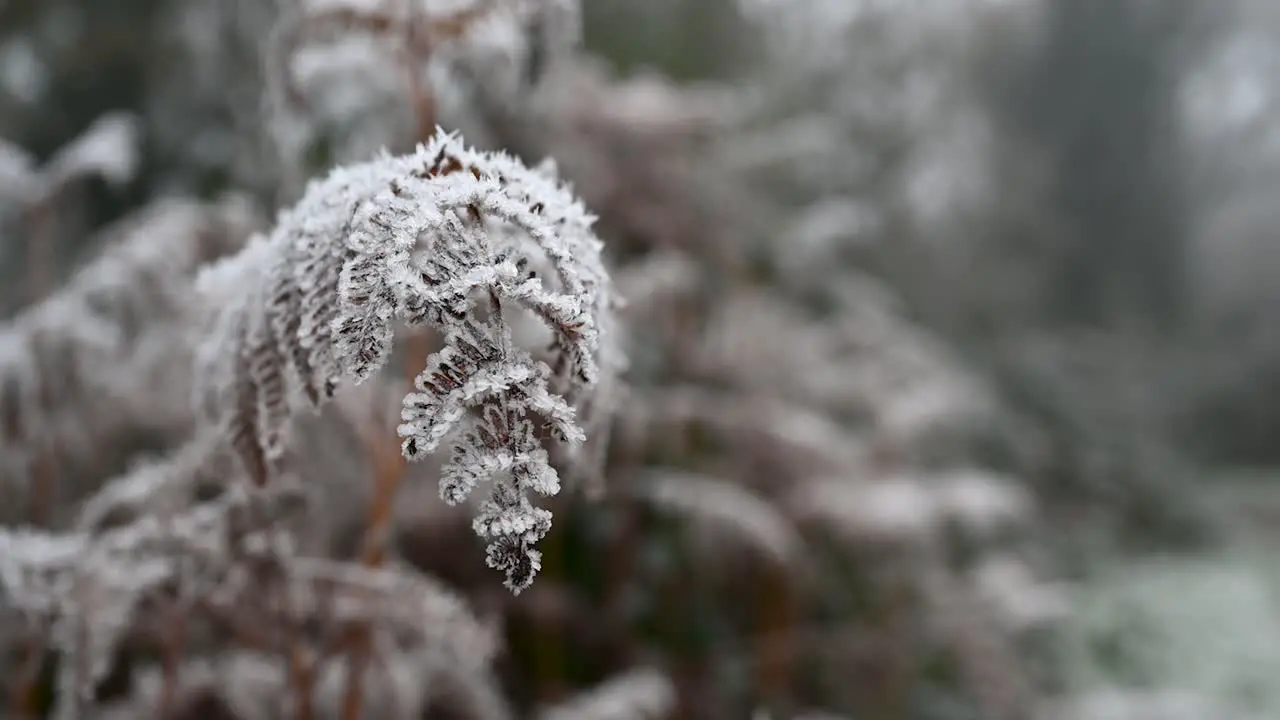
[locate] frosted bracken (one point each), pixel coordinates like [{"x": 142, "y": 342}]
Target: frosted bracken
[
  {"x": 639, "y": 694},
  {"x": 728, "y": 509},
  {"x": 357, "y": 75},
  {"x": 91, "y": 366},
  {"x": 446, "y": 237},
  {"x": 109, "y": 148},
  {"x": 89, "y": 586}
]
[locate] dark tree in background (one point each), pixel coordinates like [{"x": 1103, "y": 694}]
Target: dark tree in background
[{"x": 1099, "y": 99}]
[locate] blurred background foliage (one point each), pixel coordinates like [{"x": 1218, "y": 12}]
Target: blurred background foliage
[{"x": 1065, "y": 204}]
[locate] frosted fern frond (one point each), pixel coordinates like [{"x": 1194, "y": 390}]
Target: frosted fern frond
[
  {"x": 447, "y": 237},
  {"x": 727, "y": 509},
  {"x": 18, "y": 172},
  {"x": 88, "y": 586},
  {"x": 804, "y": 441},
  {"x": 356, "y": 75},
  {"x": 109, "y": 148},
  {"x": 88, "y": 371},
  {"x": 98, "y": 318},
  {"x": 638, "y": 694},
  {"x": 85, "y": 595},
  {"x": 407, "y": 683},
  {"x": 911, "y": 509},
  {"x": 31, "y": 571},
  {"x": 163, "y": 486},
  {"x": 412, "y": 603}
]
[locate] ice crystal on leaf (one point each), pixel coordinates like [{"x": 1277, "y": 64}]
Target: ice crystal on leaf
[{"x": 446, "y": 237}]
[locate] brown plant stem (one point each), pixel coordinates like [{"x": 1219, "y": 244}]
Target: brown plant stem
[
  {"x": 298, "y": 659},
  {"x": 44, "y": 486},
  {"x": 39, "y": 225},
  {"x": 302, "y": 678},
  {"x": 549, "y": 651},
  {"x": 175, "y": 640},
  {"x": 38, "y": 220},
  {"x": 23, "y": 704},
  {"x": 388, "y": 471},
  {"x": 776, "y": 616}
]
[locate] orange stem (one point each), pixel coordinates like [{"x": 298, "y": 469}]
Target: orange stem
[{"x": 389, "y": 466}]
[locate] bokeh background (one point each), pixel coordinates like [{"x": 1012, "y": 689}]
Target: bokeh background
[{"x": 953, "y": 327}]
